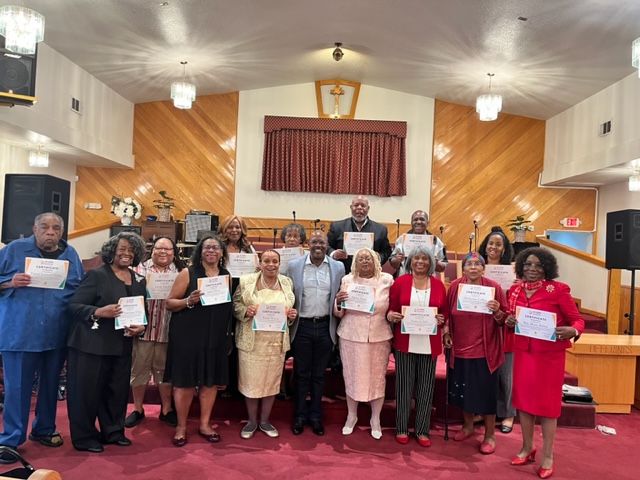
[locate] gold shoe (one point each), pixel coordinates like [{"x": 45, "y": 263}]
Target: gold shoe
[{"x": 269, "y": 429}]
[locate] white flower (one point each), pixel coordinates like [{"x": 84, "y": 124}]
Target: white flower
[
  {"x": 530, "y": 228},
  {"x": 128, "y": 206},
  {"x": 128, "y": 200}
]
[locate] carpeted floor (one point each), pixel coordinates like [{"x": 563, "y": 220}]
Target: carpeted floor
[{"x": 583, "y": 454}]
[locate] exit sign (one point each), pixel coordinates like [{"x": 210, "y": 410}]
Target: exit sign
[{"x": 570, "y": 222}]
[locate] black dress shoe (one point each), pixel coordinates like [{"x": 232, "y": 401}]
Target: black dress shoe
[
  {"x": 506, "y": 428},
  {"x": 298, "y": 426},
  {"x": 170, "y": 418},
  {"x": 92, "y": 447},
  {"x": 133, "y": 419},
  {"x": 317, "y": 427},
  {"x": 120, "y": 441}
]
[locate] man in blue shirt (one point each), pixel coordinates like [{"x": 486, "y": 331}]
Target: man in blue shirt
[{"x": 33, "y": 332}]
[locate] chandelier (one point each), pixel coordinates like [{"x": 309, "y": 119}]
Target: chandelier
[
  {"x": 635, "y": 54},
  {"x": 489, "y": 105},
  {"x": 22, "y": 28},
  {"x": 182, "y": 93},
  {"x": 38, "y": 158}
]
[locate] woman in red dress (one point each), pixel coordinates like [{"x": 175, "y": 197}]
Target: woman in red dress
[{"x": 538, "y": 365}]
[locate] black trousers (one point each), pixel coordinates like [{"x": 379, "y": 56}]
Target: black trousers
[
  {"x": 97, "y": 387},
  {"x": 311, "y": 351}
]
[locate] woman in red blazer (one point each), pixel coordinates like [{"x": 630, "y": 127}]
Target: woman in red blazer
[
  {"x": 416, "y": 354},
  {"x": 538, "y": 365}
]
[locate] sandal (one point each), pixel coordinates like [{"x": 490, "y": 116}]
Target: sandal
[{"x": 48, "y": 440}]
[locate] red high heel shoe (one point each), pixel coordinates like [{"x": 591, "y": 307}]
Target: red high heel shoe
[
  {"x": 529, "y": 457},
  {"x": 545, "y": 472}
]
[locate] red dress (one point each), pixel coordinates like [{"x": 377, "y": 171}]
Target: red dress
[{"x": 538, "y": 365}]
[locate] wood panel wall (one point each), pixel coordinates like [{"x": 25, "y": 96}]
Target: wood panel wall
[
  {"x": 189, "y": 153},
  {"x": 625, "y": 303},
  {"x": 488, "y": 171}
]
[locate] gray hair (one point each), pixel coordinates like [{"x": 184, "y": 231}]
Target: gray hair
[
  {"x": 108, "y": 251},
  {"x": 49, "y": 214},
  {"x": 294, "y": 226},
  {"x": 425, "y": 251}
]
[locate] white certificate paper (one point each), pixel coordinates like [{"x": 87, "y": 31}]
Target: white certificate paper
[
  {"x": 46, "y": 273},
  {"x": 419, "y": 320},
  {"x": 505, "y": 275},
  {"x": 287, "y": 254},
  {"x": 242, "y": 264},
  {"x": 411, "y": 241},
  {"x": 133, "y": 312},
  {"x": 534, "y": 323},
  {"x": 159, "y": 284},
  {"x": 361, "y": 298},
  {"x": 354, "y": 241},
  {"x": 214, "y": 290},
  {"x": 474, "y": 298},
  {"x": 270, "y": 318}
]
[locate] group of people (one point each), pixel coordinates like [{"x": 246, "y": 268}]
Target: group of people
[{"x": 335, "y": 294}]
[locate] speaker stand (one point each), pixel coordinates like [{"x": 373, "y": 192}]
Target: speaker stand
[{"x": 631, "y": 314}]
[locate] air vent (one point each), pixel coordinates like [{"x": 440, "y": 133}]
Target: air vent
[
  {"x": 75, "y": 105},
  {"x": 605, "y": 128}
]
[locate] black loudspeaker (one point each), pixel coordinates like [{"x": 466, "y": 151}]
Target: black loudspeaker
[
  {"x": 26, "y": 197},
  {"x": 17, "y": 72},
  {"x": 623, "y": 240}
]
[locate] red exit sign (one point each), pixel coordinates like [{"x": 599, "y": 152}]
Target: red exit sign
[{"x": 570, "y": 222}]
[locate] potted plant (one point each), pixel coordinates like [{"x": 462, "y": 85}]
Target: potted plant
[
  {"x": 126, "y": 208},
  {"x": 519, "y": 228},
  {"x": 164, "y": 205}
]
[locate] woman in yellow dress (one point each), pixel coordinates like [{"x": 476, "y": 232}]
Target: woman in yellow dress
[{"x": 261, "y": 353}]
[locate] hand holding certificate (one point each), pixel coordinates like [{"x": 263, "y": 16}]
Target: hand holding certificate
[
  {"x": 536, "y": 324},
  {"x": 46, "y": 273},
  {"x": 474, "y": 298},
  {"x": 159, "y": 284},
  {"x": 354, "y": 241},
  {"x": 214, "y": 290},
  {"x": 133, "y": 312},
  {"x": 419, "y": 320},
  {"x": 360, "y": 298},
  {"x": 270, "y": 318},
  {"x": 411, "y": 241}
]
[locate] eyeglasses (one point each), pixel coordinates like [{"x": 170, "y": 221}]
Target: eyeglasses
[
  {"x": 536, "y": 266},
  {"x": 364, "y": 259},
  {"x": 473, "y": 264},
  {"x": 163, "y": 249},
  {"x": 215, "y": 248}
]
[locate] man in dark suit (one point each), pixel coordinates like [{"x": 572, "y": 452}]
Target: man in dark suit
[
  {"x": 358, "y": 222},
  {"x": 316, "y": 280}
]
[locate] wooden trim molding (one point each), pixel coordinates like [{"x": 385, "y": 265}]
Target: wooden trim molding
[
  {"x": 88, "y": 230},
  {"x": 588, "y": 257}
]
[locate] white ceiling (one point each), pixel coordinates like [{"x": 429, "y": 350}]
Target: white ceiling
[{"x": 566, "y": 50}]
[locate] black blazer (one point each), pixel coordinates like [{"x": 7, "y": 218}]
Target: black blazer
[
  {"x": 381, "y": 245},
  {"x": 101, "y": 287}
]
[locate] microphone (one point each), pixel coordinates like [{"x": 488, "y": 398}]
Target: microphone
[
  {"x": 316, "y": 220},
  {"x": 475, "y": 223},
  {"x": 398, "y": 221},
  {"x": 471, "y": 236},
  {"x": 441, "y": 228},
  {"x": 294, "y": 215}
]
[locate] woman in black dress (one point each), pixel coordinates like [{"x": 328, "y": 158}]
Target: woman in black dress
[{"x": 197, "y": 350}]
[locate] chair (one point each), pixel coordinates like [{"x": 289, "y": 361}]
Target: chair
[{"x": 91, "y": 263}]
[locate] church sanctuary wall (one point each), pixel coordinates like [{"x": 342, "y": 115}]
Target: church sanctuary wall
[
  {"x": 16, "y": 160},
  {"x": 188, "y": 153},
  {"x": 104, "y": 128},
  {"x": 300, "y": 101},
  {"x": 488, "y": 171}
]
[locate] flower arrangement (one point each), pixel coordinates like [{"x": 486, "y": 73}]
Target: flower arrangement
[
  {"x": 519, "y": 223},
  {"x": 125, "y": 207}
]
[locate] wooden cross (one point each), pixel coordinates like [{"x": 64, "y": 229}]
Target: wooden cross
[{"x": 336, "y": 92}]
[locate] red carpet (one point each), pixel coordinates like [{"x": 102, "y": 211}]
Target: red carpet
[{"x": 585, "y": 454}]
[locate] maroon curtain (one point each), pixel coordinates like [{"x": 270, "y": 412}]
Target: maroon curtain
[{"x": 329, "y": 155}]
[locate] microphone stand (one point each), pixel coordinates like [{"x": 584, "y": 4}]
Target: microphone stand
[
  {"x": 442, "y": 233},
  {"x": 275, "y": 235},
  {"x": 471, "y": 237},
  {"x": 294, "y": 215},
  {"x": 632, "y": 302},
  {"x": 397, "y": 228},
  {"x": 476, "y": 232}
]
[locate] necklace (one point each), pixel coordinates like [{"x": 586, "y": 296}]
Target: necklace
[
  {"x": 275, "y": 286},
  {"x": 421, "y": 297}
]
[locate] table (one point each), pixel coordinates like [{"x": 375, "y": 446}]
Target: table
[{"x": 607, "y": 365}]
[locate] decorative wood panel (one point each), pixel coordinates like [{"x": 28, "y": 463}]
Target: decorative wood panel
[
  {"x": 488, "y": 171},
  {"x": 625, "y": 304},
  {"x": 189, "y": 153}
]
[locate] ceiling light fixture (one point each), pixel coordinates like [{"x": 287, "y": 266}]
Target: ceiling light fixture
[
  {"x": 22, "y": 28},
  {"x": 635, "y": 54},
  {"x": 489, "y": 105},
  {"x": 39, "y": 158},
  {"x": 182, "y": 93},
  {"x": 338, "y": 53}
]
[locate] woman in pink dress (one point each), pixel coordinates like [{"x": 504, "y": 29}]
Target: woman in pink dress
[
  {"x": 365, "y": 340},
  {"x": 538, "y": 365}
]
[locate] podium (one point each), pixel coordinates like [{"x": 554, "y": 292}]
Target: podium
[{"x": 607, "y": 365}]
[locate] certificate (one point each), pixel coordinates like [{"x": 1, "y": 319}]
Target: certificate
[
  {"x": 534, "y": 323},
  {"x": 270, "y": 318},
  {"x": 159, "y": 284},
  {"x": 46, "y": 273},
  {"x": 474, "y": 298},
  {"x": 214, "y": 290},
  {"x": 505, "y": 275},
  {"x": 287, "y": 254},
  {"x": 411, "y": 241},
  {"x": 419, "y": 320},
  {"x": 242, "y": 264},
  {"x": 133, "y": 312},
  {"x": 361, "y": 298},
  {"x": 354, "y": 241}
]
